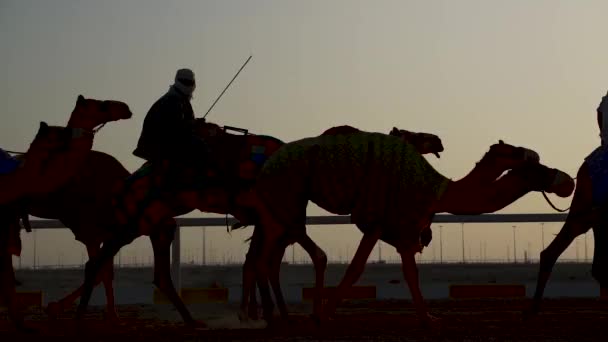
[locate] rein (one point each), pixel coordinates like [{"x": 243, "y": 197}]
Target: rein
[
  {"x": 551, "y": 204},
  {"x": 93, "y": 132}
]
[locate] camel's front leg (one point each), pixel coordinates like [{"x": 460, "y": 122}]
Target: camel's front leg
[
  {"x": 410, "y": 273},
  {"x": 8, "y": 292},
  {"x": 53, "y": 309},
  {"x": 354, "y": 270},
  {"x": 579, "y": 220},
  {"x": 248, "y": 307},
  {"x": 95, "y": 265}
]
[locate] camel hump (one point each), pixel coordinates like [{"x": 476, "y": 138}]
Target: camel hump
[{"x": 344, "y": 129}]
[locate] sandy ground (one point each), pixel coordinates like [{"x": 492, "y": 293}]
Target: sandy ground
[
  {"x": 134, "y": 285},
  {"x": 489, "y": 320},
  {"x": 390, "y": 318}
]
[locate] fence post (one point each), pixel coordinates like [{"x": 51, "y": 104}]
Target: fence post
[{"x": 176, "y": 260}]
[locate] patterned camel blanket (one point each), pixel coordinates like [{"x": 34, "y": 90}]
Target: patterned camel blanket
[
  {"x": 8, "y": 163},
  {"x": 377, "y": 178}
]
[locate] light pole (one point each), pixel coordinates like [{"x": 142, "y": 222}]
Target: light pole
[
  {"x": 542, "y": 234},
  {"x": 462, "y": 233},
  {"x": 441, "y": 244},
  {"x": 514, "y": 247},
  {"x": 586, "y": 248}
]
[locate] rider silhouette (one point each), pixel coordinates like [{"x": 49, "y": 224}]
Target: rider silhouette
[
  {"x": 602, "y": 119},
  {"x": 168, "y": 132}
]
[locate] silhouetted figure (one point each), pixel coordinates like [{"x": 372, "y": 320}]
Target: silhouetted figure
[{"x": 168, "y": 131}]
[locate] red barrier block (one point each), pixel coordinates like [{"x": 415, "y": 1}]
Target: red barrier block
[
  {"x": 462, "y": 291},
  {"x": 355, "y": 292},
  {"x": 26, "y": 299}
]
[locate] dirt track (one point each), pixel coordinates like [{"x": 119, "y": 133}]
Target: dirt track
[{"x": 488, "y": 320}]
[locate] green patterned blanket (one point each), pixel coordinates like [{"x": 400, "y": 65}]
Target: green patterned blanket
[{"x": 377, "y": 178}]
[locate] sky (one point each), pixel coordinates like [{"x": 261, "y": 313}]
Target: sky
[{"x": 471, "y": 72}]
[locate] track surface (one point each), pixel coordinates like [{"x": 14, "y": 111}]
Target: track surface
[{"x": 462, "y": 320}]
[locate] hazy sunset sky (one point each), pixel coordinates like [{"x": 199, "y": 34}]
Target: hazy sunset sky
[{"x": 529, "y": 72}]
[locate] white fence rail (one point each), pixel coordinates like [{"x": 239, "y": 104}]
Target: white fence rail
[{"x": 323, "y": 220}]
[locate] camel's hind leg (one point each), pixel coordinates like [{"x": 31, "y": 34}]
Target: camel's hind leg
[
  {"x": 319, "y": 259},
  {"x": 248, "y": 307},
  {"x": 161, "y": 244}
]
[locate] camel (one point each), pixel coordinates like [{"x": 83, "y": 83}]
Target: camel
[
  {"x": 424, "y": 143},
  {"x": 156, "y": 218},
  {"x": 587, "y": 211},
  {"x": 53, "y": 158},
  {"x": 389, "y": 189}
]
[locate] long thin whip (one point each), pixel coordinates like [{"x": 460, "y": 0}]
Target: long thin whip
[{"x": 238, "y": 72}]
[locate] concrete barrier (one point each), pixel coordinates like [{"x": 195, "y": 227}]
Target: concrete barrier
[
  {"x": 195, "y": 296},
  {"x": 26, "y": 299},
  {"x": 462, "y": 291},
  {"x": 355, "y": 292}
]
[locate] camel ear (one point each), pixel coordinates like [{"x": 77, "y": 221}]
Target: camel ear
[
  {"x": 43, "y": 128},
  {"x": 500, "y": 142},
  {"x": 80, "y": 100}
]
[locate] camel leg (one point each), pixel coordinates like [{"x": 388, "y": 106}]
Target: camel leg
[
  {"x": 95, "y": 265},
  {"x": 354, "y": 270},
  {"x": 579, "y": 221},
  {"x": 107, "y": 277},
  {"x": 319, "y": 259},
  {"x": 275, "y": 281},
  {"x": 269, "y": 242},
  {"x": 248, "y": 296},
  {"x": 8, "y": 291},
  {"x": 161, "y": 244},
  {"x": 410, "y": 273},
  {"x": 53, "y": 309}
]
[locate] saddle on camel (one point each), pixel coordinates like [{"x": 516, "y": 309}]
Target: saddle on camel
[
  {"x": 232, "y": 176},
  {"x": 588, "y": 210},
  {"x": 53, "y": 158},
  {"x": 389, "y": 189}
]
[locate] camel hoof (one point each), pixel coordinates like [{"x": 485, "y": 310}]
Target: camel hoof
[
  {"x": 198, "y": 325},
  {"x": 254, "y": 313},
  {"x": 243, "y": 316},
  {"x": 27, "y": 330},
  {"x": 53, "y": 309},
  {"x": 111, "y": 316},
  {"x": 430, "y": 321},
  {"x": 529, "y": 314}
]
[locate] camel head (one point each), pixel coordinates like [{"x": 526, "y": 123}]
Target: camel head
[
  {"x": 50, "y": 139},
  {"x": 90, "y": 113},
  {"x": 424, "y": 142},
  {"x": 510, "y": 156}
]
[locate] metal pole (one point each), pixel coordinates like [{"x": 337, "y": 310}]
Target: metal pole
[
  {"x": 586, "y": 248},
  {"x": 35, "y": 261},
  {"x": 542, "y": 234},
  {"x": 204, "y": 245},
  {"x": 462, "y": 231},
  {"x": 441, "y": 244},
  {"x": 379, "y": 251},
  {"x": 176, "y": 260},
  {"x": 514, "y": 247}
]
